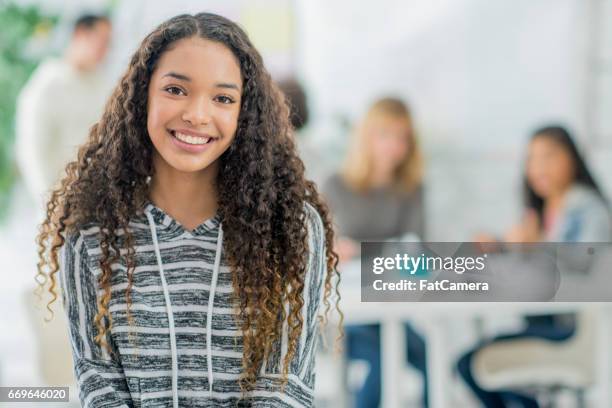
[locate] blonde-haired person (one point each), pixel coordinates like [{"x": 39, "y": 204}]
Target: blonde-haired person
[
  {"x": 378, "y": 195},
  {"x": 381, "y": 175}
]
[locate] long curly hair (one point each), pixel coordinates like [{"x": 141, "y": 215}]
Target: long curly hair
[{"x": 261, "y": 190}]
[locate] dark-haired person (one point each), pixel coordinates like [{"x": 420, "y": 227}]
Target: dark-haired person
[
  {"x": 563, "y": 203},
  {"x": 318, "y": 153},
  {"x": 60, "y": 102},
  {"x": 195, "y": 260}
]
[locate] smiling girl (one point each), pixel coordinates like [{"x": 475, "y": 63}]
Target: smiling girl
[{"x": 193, "y": 254}]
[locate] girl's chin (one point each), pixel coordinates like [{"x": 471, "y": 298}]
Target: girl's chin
[
  {"x": 542, "y": 192},
  {"x": 193, "y": 169},
  {"x": 182, "y": 165}
]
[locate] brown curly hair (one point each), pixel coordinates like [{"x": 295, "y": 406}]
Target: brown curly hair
[{"x": 262, "y": 191}]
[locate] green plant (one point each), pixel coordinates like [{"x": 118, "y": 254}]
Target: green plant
[{"x": 19, "y": 25}]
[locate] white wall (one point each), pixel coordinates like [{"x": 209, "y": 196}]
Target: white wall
[
  {"x": 477, "y": 72},
  {"x": 480, "y": 75}
]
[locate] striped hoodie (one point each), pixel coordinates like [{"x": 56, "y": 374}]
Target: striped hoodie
[{"x": 185, "y": 346}]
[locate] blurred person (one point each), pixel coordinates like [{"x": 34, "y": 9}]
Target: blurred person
[
  {"x": 60, "y": 102},
  {"x": 377, "y": 196},
  {"x": 193, "y": 255},
  {"x": 294, "y": 92},
  {"x": 563, "y": 203},
  {"x": 381, "y": 176},
  {"x": 318, "y": 160}
]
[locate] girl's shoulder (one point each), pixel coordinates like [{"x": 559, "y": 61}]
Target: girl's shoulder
[
  {"x": 314, "y": 222},
  {"x": 82, "y": 242},
  {"x": 316, "y": 267},
  {"x": 89, "y": 236},
  {"x": 82, "y": 233},
  {"x": 310, "y": 210},
  {"x": 585, "y": 217},
  {"x": 581, "y": 197}
]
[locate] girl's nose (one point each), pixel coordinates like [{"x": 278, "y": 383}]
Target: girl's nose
[{"x": 197, "y": 113}]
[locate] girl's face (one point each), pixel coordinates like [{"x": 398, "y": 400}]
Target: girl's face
[
  {"x": 193, "y": 104},
  {"x": 389, "y": 140},
  {"x": 550, "y": 168}
]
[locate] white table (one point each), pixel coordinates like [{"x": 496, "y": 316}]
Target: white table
[{"x": 392, "y": 315}]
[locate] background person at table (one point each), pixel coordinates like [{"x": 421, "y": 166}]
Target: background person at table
[
  {"x": 378, "y": 195},
  {"x": 60, "y": 102},
  {"x": 316, "y": 150},
  {"x": 563, "y": 203}
]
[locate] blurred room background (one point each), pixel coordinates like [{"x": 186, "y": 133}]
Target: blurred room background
[{"x": 479, "y": 77}]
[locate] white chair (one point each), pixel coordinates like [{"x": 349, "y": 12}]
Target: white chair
[{"x": 541, "y": 366}]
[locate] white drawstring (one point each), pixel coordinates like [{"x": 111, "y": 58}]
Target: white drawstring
[
  {"x": 211, "y": 305},
  {"x": 211, "y": 299},
  {"x": 169, "y": 312}
]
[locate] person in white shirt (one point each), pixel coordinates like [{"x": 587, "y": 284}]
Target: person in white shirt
[{"x": 62, "y": 99}]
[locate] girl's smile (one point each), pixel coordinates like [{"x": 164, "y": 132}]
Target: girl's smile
[{"x": 191, "y": 141}]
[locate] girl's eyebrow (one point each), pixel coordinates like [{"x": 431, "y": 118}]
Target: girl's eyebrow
[
  {"x": 227, "y": 85},
  {"x": 185, "y": 78},
  {"x": 177, "y": 76}
]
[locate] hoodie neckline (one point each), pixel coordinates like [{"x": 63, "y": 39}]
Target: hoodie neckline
[
  {"x": 154, "y": 216},
  {"x": 165, "y": 221}
]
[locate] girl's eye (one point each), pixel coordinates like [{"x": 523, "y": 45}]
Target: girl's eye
[
  {"x": 224, "y": 99},
  {"x": 174, "y": 90}
]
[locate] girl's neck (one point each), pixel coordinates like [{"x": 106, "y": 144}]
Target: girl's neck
[
  {"x": 552, "y": 207},
  {"x": 554, "y": 202},
  {"x": 381, "y": 177},
  {"x": 189, "y": 198}
]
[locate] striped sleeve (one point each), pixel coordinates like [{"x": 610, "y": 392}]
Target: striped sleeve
[
  {"x": 100, "y": 378},
  {"x": 313, "y": 297},
  {"x": 299, "y": 391}
]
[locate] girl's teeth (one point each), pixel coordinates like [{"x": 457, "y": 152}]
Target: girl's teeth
[{"x": 191, "y": 139}]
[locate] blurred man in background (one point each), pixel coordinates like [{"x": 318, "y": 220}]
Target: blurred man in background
[
  {"x": 55, "y": 110},
  {"x": 58, "y": 105}
]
